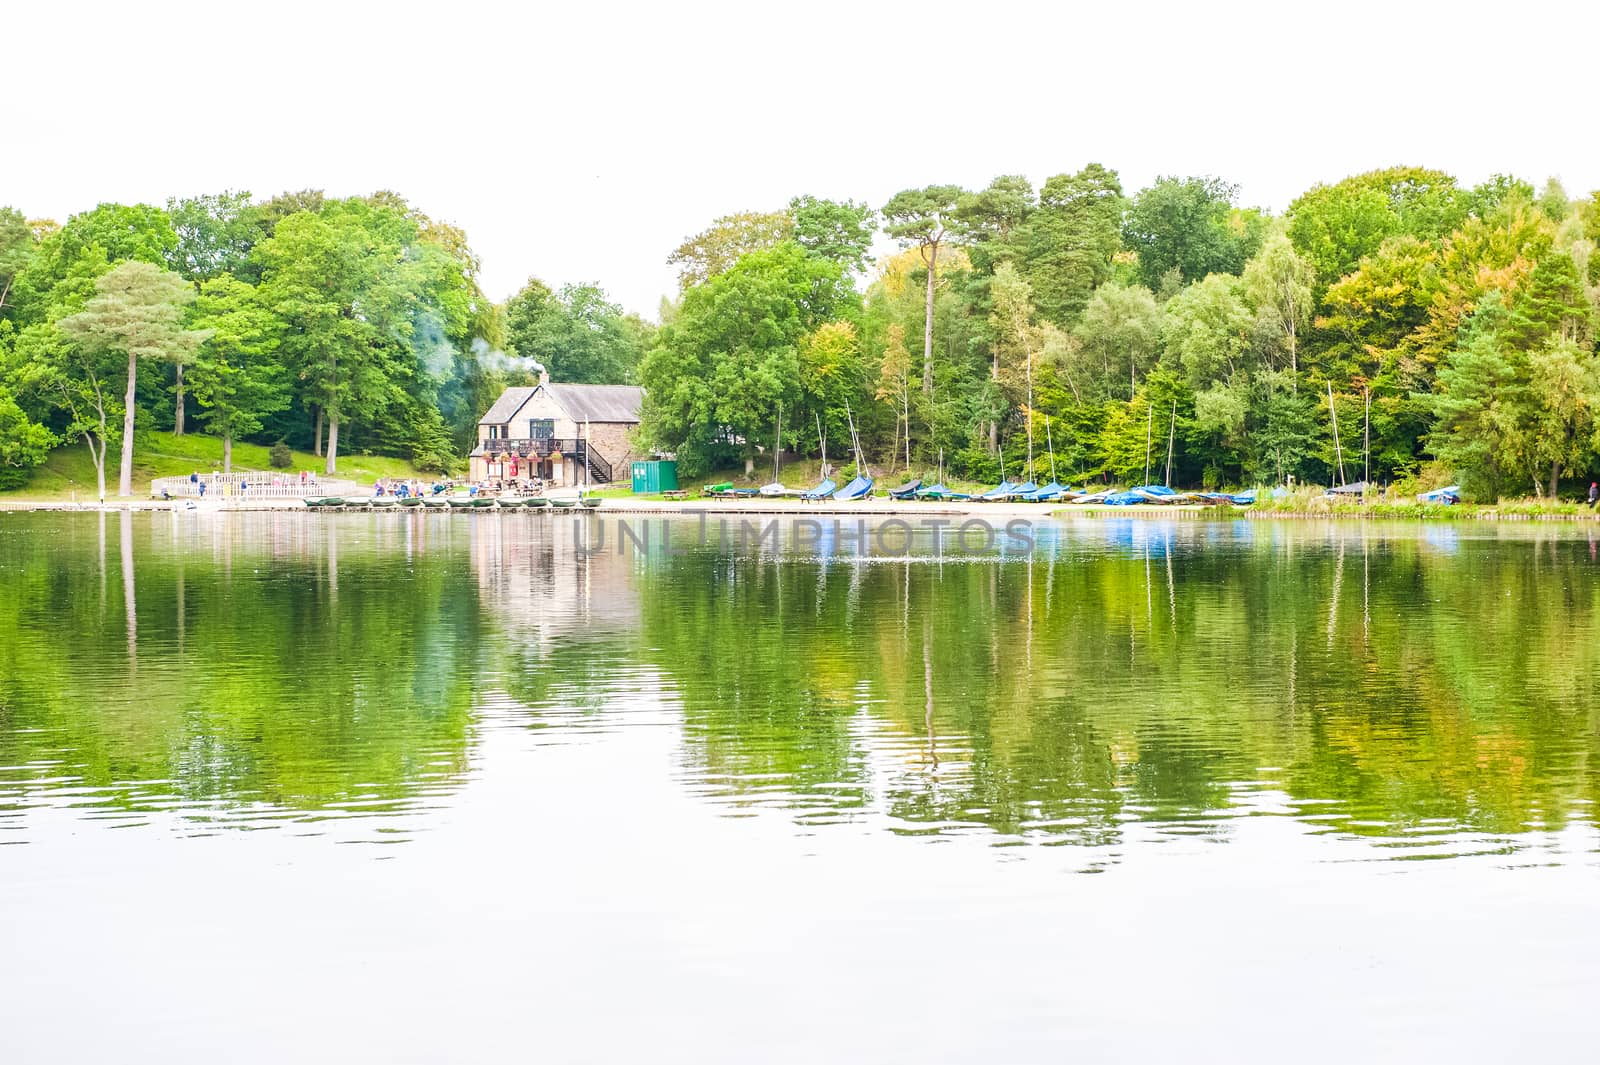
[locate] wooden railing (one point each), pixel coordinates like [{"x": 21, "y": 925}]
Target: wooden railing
[
  {"x": 599, "y": 468},
  {"x": 250, "y": 486}
]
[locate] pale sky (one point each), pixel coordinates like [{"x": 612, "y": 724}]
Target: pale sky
[{"x": 583, "y": 141}]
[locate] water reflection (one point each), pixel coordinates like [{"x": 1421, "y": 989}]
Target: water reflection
[{"x": 1431, "y": 691}]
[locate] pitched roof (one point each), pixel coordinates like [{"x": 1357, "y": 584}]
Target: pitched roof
[
  {"x": 598, "y": 403},
  {"x": 510, "y": 401}
]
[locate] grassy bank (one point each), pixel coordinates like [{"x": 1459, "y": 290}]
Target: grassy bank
[{"x": 69, "y": 470}]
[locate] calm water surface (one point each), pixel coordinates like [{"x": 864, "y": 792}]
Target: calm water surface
[{"x": 429, "y": 787}]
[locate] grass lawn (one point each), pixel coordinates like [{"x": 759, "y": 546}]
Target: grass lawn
[{"x": 69, "y": 469}]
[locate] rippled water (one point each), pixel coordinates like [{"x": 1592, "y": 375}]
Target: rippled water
[{"x": 474, "y": 786}]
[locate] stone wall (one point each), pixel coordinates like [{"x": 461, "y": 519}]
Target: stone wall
[{"x": 610, "y": 440}]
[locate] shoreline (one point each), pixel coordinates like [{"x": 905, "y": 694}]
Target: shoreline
[{"x": 877, "y": 508}]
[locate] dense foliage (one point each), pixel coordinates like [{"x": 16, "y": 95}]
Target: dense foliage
[
  {"x": 1390, "y": 325},
  {"x": 303, "y": 318}
]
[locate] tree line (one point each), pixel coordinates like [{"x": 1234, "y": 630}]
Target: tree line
[
  {"x": 1389, "y": 325},
  {"x": 302, "y": 318},
  {"x": 1393, "y": 325}
]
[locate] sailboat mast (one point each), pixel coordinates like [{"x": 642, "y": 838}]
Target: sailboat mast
[
  {"x": 1149, "y": 425},
  {"x": 1338, "y": 449},
  {"x": 1052, "y": 444},
  {"x": 1172, "y": 432}
]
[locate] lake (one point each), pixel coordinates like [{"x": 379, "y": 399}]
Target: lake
[{"x": 481, "y": 786}]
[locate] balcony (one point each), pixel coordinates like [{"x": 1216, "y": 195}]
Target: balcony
[{"x": 579, "y": 450}]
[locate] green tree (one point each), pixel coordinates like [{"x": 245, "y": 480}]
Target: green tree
[
  {"x": 1070, "y": 240},
  {"x": 137, "y": 310},
  {"x": 921, "y": 219},
  {"x": 576, "y": 334},
  {"x": 1278, "y": 283},
  {"x": 23, "y": 444},
  {"x": 1120, "y": 327},
  {"x": 730, "y": 355},
  {"x": 1335, "y": 226},
  {"x": 1207, "y": 330},
  {"x": 1564, "y": 384},
  {"x": 215, "y": 234},
  {"x": 339, "y": 309},
  {"x": 990, "y": 221},
  {"x": 1188, "y": 226},
  {"x": 1478, "y": 403},
  {"x": 717, "y": 248},
  {"x": 837, "y": 230},
  {"x": 17, "y": 248},
  {"x": 237, "y": 379}
]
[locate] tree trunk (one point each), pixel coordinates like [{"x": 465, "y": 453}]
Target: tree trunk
[
  {"x": 927, "y": 325},
  {"x": 1294, "y": 359},
  {"x": 749, "y": 466},
  {"x": 227, "y": 452},
  {"x": 333, "y": 444},
  {"x": 177, "y": 412},
  {"x": 1555, "y": 478},
  {"x": 99, "y": 462},
  {"x": 125, "y": 478},
  {"x": 317, "y": 442}
]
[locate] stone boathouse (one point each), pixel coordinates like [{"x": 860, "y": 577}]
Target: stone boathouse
[{"x": 565, "y": 434}]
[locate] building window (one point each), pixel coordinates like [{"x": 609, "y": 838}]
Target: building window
[{"x": 541, "y": 429}]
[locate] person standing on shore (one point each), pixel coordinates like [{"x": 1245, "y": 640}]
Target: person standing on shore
[{"x": 1594, "y": 492}]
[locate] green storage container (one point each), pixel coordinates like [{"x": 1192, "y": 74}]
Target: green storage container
[{"x": 655, "y": 476}]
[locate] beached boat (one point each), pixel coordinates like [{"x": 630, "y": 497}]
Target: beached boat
[
  {"x": 775, "y": 490},
  {"x": 435, "y": 502},
  {"x": 409, "y": 501},
  {"x": 563, "y": 503},
  {"x": 940, "y": 493},
  {"x": 1044, "y": 494},
  {"x": 906, "y": 491},
  {"x": 860, "y": 488},
  {"x": 358, "y": 502},
  {"x": 1448, "y": 496},
  {"x": 535, "y": 502},
  {"x": 462, "y": 502},
  {"x": 589, "y": 502},
  {"x": 820, "y": 492}
]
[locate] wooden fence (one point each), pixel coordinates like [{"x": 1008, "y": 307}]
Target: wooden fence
[{"x": 252, "y": 486}]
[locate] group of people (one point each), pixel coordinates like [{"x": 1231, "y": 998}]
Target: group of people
[{"x": 405, "y": 489}]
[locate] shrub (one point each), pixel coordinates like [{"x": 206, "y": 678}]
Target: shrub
[{"x": 280, "y": 456}]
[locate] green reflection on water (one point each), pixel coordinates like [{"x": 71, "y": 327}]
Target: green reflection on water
[{"x": 1400, "y": 683}]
